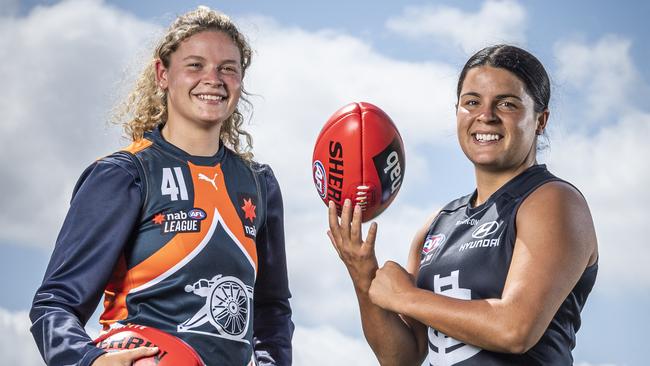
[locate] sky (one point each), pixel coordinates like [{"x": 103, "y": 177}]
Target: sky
[{"x": 65, "y": 65}]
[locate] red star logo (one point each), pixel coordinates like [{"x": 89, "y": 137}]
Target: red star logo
[
  {"x": 158, "y": 219},
  {"x": 249, "y": 209}
]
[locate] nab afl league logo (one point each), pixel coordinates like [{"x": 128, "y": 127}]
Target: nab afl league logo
[{"x": 320, "y": 178}]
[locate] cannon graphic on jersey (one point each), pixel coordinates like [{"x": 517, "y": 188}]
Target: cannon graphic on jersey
[
  {"x": 359, "y": 154},
  {"x": 172, "y": 351},
  {"x": 227, "y": 308}
]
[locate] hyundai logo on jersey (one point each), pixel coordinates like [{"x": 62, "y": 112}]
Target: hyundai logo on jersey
[{"x": 486, "y": 229}]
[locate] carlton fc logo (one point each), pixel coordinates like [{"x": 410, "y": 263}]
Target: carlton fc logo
[
  {"x": 444, "y": 350},
  {"x": 227, "y": 308}
]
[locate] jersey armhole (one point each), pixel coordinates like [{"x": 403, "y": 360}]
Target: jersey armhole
[{"x": 511, "y": 236}]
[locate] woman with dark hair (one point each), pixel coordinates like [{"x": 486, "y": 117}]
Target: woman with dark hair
[
  {"x": 497, "y": 277},
  {"x": 181, "y": 231}
]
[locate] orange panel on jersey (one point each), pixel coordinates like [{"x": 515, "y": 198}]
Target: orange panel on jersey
[
  {"x": 221, "y": 200},
  {"x": 138, "y": 145}
]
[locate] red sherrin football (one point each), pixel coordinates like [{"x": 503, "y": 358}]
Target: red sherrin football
[
  {"x": 172, "y": 351},
  {"x": 359, "y": 154}
]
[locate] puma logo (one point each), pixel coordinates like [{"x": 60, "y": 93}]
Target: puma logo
[{"x": 205, "y": 178}]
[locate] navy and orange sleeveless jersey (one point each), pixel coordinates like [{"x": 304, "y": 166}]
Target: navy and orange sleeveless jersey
[{"x": 190, "y": 245}]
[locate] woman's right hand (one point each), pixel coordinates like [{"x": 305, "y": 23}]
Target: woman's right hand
[
  {"x": 357, "y": 254},
  {"x": 124, "y": 358}
]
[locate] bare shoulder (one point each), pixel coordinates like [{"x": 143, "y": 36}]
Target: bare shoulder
[
  {"x": 557, "y": 209},
  {"x": 557, "y": 190}
]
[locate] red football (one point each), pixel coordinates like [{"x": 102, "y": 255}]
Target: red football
[
  {"x": 172, "y": 351},
  {"x": 359, "y": 154}
]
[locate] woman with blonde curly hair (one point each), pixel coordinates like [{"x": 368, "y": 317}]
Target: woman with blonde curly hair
[{"x": 181, "y": 230}]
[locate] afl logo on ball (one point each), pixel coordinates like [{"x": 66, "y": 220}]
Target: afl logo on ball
[{"x": 320, "y": 178}]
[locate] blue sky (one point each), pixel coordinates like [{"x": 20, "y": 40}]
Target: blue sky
[{"x": 66, "y": 63}]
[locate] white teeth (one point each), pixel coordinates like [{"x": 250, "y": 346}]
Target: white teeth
[
  {"x": 485, "y": 137},
  {"x": 210, "y": 97}
]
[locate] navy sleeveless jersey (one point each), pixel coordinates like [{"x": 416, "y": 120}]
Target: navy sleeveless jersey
[
  {"x": 467, "y": 254},
  {"x": 195, "y": 248}
]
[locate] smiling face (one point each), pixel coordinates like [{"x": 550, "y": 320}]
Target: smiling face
[
  {"x": 496, "y": 121},
  {"x": 203, "y": 80}
]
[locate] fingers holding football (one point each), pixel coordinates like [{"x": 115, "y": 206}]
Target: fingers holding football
[
  {"x": 335, "y": 230},
  {"x": 124, "y": 358},
  {"x": 346, "y": 232},
  {"x": 340, "y": 229}
]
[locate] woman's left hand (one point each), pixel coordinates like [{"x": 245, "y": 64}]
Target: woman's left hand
[{"x": 389, "y": 286}]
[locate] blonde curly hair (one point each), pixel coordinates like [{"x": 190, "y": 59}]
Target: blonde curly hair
[{"x": 146, "y": 106}]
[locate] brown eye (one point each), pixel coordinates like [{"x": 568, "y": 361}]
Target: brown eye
[
  {"x": 507, "y": 105},
  {"x": 229, "y": 70},
  {"x": 471, "y": 103}
]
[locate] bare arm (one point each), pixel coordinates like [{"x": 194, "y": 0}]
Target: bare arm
[
  {"x": 555, "y": 243},
  {"x": 394, "y": 340}
]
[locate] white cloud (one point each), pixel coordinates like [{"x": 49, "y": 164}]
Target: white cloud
[
  {"x": 497, "y": 21},
  {"x": 60, "y": 71},
  {"x": 604, "y": 72},
  {"x": 327, "y": 346},
  {"x": 611, "y": 170},
  {"x": 608, "y": 162},
  {"x": 17, "y": 346}
]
